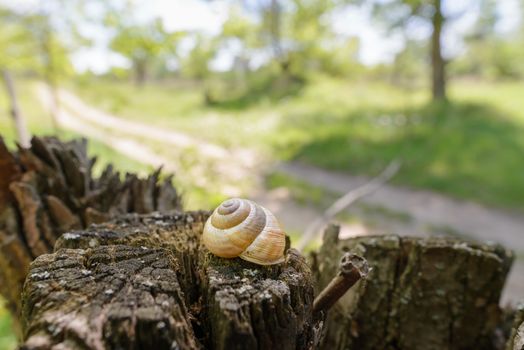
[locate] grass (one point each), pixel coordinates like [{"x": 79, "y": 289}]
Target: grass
[
  {"x": 301, "y": 191},
  {"x": 470, "y": 148},
  {"x": 370, "y": 211},
  {"x": 7, "y": 338},
  {"x": 466, "y": 150}
]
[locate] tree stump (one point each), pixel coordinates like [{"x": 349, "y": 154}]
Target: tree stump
[
  {"x": 516, "y": 337},
  {"x": 420, "y": 294},
  {"x": 146, "y": 282},
  {"x": 48, "y": 189}
]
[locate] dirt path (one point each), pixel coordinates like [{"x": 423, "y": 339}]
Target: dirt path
[
  {"x": 429, "y": 208},
  {"x": 174, "y": 138},
  {"x": 125, "y": 146},
  {"x": 425, "y": 209}
]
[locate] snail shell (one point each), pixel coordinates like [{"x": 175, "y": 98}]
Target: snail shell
[{"x": 240, "y": 227}]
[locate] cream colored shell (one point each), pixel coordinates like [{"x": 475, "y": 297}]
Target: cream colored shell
[{"x": 240, "y": 227}]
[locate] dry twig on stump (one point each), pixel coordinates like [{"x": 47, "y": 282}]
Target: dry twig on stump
[{"x": 345, "y": 201}]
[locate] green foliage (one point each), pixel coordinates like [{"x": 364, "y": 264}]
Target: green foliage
[
  {"x": 196, "y": 64},
  {"x": 268, "y": 84},
  {"x": 30, "y": 44},
  {"x": 408, "y": 71},
  {"x": 143, "y": 44},
  {"x": 315, "y": 48},
  {"x": 239, "y": 27},
  {"x": 494, "y": 58},
  {"x": 140, "y": 42},
  {"x": 396, "y": 13},
  {"x": 16, "y": 43},
  {"x": 340, "y": 60},
  {"x": 297, "y": 33},
  {"x": 56, "y": 64},
  {"x": 490, "y": 55}
]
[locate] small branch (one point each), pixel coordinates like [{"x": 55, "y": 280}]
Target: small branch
[
  {"x": 18, "y": 118},
  {"x": 352, "y": 269},
  {"x": 346, "y": 200}
]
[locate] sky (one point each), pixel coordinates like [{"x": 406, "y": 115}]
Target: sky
[{"x": 377, "y": 45}]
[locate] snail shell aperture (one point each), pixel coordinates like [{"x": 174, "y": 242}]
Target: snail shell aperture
[{"x": 242, "y": 228}]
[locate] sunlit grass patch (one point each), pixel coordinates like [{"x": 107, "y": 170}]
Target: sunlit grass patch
[
  {"x": 301, "y": 191},
  {"x": 471, "y": 151}
]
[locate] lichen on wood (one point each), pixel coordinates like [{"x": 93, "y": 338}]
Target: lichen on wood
[
  {"x": 432, "y": 293},
  {"x": 147, "y": 282},
  {"x": 121, "y": 279},
  {"x": 106, "y": 297},
  {"x": 516, "y": 337}
]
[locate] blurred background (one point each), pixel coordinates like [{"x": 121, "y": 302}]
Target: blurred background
[{"x": 290, "y": 102}]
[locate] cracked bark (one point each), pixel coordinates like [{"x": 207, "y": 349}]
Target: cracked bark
[
  {"x": 516, "y": 337},
  {"x": 420, "y": 294},
  {"x": 48, "y": 189},
  {"x": 146, "y": 282}
]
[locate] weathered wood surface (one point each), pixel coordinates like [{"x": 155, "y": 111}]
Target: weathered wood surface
[
  {"x": 516, "y": 337},
  {"x": 48, "y": 189},
  {"x": 420, "y": 294},
  {"x": 146, "y": 282}
]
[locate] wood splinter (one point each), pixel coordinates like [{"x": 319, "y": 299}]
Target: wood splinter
[{"x": 352, "y": 268}]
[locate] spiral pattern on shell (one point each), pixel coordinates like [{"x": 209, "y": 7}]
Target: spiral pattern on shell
[{"x": 242, "y": 228}]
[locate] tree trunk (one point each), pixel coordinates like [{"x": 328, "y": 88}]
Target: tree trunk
[
  {"x": 50, "y": 74},
  {"x": 54, "y": 106},
  {"x": 438, "y": 66},
  {"x": 146, "y": 282},
  {"x": 14, "y": 110},
  {"x": 274, "y": 27},
  {"x": 49, "y": 189},
  {"x": 140, "y": 72},
  {"x": 420, "y": 294}
]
